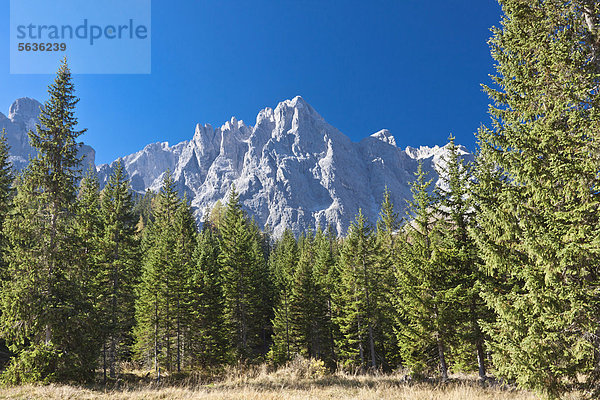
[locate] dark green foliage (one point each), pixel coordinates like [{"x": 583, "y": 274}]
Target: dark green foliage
[
  {"x": 118, "y": 269},
  {"x": 6, "y": 195},
  {"x": 360, "y": 296},
  {"x": 457, "y": 214},
  {"x": 283, "y": 262},
  {"x": 47, "y": 314},
  {"x": 388, "y": 227},
  {"x": 7, "y": 191},
  {"x": 429, "y": 286},
  {"x": 244, "y": 271},
  {"x": 310, "y": 320},
  {"x": 538, "y": 229},
  {"x": 142, "y": 206},
  {"x": 168, "y": 246},
  {"x": 207, "y": 344}
]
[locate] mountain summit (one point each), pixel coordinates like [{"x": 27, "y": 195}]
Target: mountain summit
[{"x": 292, "y": 169}]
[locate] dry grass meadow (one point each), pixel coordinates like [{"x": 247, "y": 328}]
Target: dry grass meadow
[{"x": 292, "y": 382}]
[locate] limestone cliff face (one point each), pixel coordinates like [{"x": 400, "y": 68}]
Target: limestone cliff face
[{"x": 292, "y": 169}]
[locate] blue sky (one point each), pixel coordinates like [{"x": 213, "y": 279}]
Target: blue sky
[{"x": 413, "y": 67}]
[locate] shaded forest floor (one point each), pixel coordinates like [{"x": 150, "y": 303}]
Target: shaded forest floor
[{"x": 286, "y": 383}]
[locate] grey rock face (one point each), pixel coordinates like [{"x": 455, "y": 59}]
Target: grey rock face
[
  {"x": 23, "y": 115},
  {"x": 292, "y": 169}
]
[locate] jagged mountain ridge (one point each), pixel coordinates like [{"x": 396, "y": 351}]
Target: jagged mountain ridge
[
  {"x": 23, "y": 115},
  {"x": 292, "y": 169}
]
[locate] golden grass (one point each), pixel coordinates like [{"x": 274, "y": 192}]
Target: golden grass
[
  {"x": 383, "y": 392},
  {"x": 286, "y": 383}
]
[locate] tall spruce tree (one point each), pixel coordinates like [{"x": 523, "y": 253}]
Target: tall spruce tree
[
  {"x": 388, "y": 227},
  {"x": 283, "y": 262},
  {"x": 6, "y": 196},
  {"x": 325, "y": 279},
  {"x": 179, "y": 269},
  {"x": 457, "y": 217},
  {"x": 308, "y": 305},
  {"x": 7, "y": 193},
  {"x": 118, "y": 270},
  {"x": 427, "y": 291},
  {"x": 242, "y": 285},
  {"x": 359, "y": 297},
  {"x": 89, "y": 229},
  {"x": 207, "y": 342},
  {"x": 540, "y": 231},
  {"x": 46, "y": 312},
  {"x": 168, "y": 246},
  {"x": 263, "y": 280}
]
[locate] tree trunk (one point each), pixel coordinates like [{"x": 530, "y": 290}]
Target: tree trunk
[
  {"x": 331, "y": 338},
  {"x": 114, "y": 323},
  {"x": 442, "y": 357},
  {"x": 178, "y": 337},
  {"x": 372, "y": 347},
  {"x": 481, "y": 361},
  {"x": 113, "y": 350},
  {"x": 156, "y": 331},
  {"x": 369, "y": 311},
  {"x": 478, "y": 342},
  {"x": 287, "y": 326},
  {"x": 360, "y": 343},
  {"x": 104, "y": 360}
]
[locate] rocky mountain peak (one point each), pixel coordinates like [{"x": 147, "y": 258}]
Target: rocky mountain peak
[
  {"x": 24, "y": 109},
  {"x": 292, "y": 169},
  {"x": 385, "y": 136}
]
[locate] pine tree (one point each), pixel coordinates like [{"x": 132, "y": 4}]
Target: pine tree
[
  {"x": 457, "y": 217},
  {"x": 6, "y": 191},
  {"x": 207, "y": 336},
  {"x": 118, "y": 270},
  {"x": 388, "y": 227},
  {"x": 46, "y": 313},
  {"x": 326, "y": 280},
  {"x": 309, "y": 318},
  {"x": 89, "y": 229},
  {"x": 539, "y": 230},
  {"x": 359, "y": 297},
  {"x": 263, "y": 282},
  {"x": 242, "y": 287},
  {"x": 427, "y": 289},
  {"x": 6, "y": 195},
  {"x": 283, "y": 262},
  {"x": 168, "y": 247},
  {"x": 179, "y": 269}
]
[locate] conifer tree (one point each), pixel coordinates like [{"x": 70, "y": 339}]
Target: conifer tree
[
  {"x": 326, "y": 280},
  {"x": 539, "y": 230},
  {"x": 283, "y": 262},
  {"x": 388, "y": 227},
  {"x": 241, "y": 285},
  {"x": 89, "y": 229},
  {"x": 427, "y": 289},
  {"x": 118, "y": 270},
  {"x": 168, "y": 247},
  {"x": 6, "y": 195},
  {"x": 178, "y": 272},
  {"x": 308, "y": 306},
  {"x": 46, "y": 312},
  {"x": 207, "y": 337},
  {"x": 457, "y": 216},
  {"x": 359, "y": 297},
  {"x": 6, "y": 192},
  {"x": 263, "y": 282}
]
